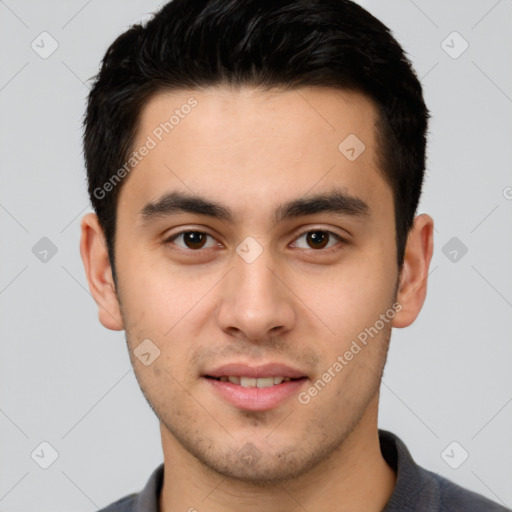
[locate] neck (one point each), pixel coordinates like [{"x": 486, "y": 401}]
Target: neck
[{"x": 355, "y": 477}]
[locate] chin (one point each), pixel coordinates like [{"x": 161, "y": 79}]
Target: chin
[
  {"x": 266, "y": 469},
  {"x": 259, "y": 463}
]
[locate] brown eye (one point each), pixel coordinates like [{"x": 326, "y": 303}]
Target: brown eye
[
  {"x": 193, "y": 240},
  {"x": 318, "y": 239}
]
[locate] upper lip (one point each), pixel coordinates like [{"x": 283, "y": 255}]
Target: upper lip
[{"x": 245, "y": 370}]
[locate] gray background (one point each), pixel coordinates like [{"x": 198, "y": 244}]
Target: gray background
[{"x": 66, "y": 380}]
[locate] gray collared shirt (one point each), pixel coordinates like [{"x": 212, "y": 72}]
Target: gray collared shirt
[{"x": 416, "y": 489}]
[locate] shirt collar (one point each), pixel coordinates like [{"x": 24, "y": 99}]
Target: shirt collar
[{"x": 147, "y": 499}]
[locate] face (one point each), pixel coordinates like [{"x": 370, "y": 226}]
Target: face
[{"x": 246, "y": 281}]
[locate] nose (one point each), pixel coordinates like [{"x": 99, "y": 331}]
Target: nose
[{"x": 255, "y": 301}]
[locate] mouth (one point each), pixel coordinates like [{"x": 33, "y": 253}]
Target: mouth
[
  {"x": 260, "y": 388},
  {"x": 254, "y": 382}
]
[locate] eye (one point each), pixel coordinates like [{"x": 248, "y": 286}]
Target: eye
[
  {"x": 192, "y": 240},
  {"x": 318, "y": 239}
]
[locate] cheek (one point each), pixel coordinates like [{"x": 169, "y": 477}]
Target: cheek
[
  {"x": 169, "y": 306},
  {"x": 354, "y": 297},
  {"x": 154, "y": 294}
]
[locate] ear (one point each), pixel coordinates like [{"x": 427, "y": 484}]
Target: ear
[
  {"x": 412, "y": 288},
  {"x": 93, "y": 248}
]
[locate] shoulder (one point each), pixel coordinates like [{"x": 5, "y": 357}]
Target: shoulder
[
  {"x": 126, "y": 504},
  {"x": 418, "y": 489},
  {"x": 453, "y": 497},
  {"x": 144, "y": 501}
]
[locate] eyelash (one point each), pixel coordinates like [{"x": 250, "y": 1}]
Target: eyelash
[{"x": 329, "y": 250}]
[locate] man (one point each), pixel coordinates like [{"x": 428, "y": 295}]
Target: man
[{"x": 255, "y": 169}]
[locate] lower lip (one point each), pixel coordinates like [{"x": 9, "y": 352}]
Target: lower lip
[{"x": 256, "y": 399}]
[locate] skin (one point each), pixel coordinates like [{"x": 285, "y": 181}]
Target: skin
[{"x": 296, "y": 304}]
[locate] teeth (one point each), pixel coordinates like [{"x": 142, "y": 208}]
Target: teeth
[
  {"x": 248, "y": 382},
  {"x": 251, "y": 382},
  {"x": 265, "y": 382}
]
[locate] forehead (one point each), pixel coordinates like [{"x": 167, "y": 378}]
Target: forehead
[{"x": 252, "y": 148}]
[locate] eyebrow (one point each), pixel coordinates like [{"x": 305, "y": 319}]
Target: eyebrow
[{"x": 334, "y": 201}]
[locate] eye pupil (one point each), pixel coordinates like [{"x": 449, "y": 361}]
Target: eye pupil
[
  {"x": 318, "y": 239},
  {"x": 194, "y": 239}
]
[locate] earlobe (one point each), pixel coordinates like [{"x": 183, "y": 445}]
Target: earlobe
[
  {"x": 93, "y": 250},
  {"x": 412, "y": 288}
]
